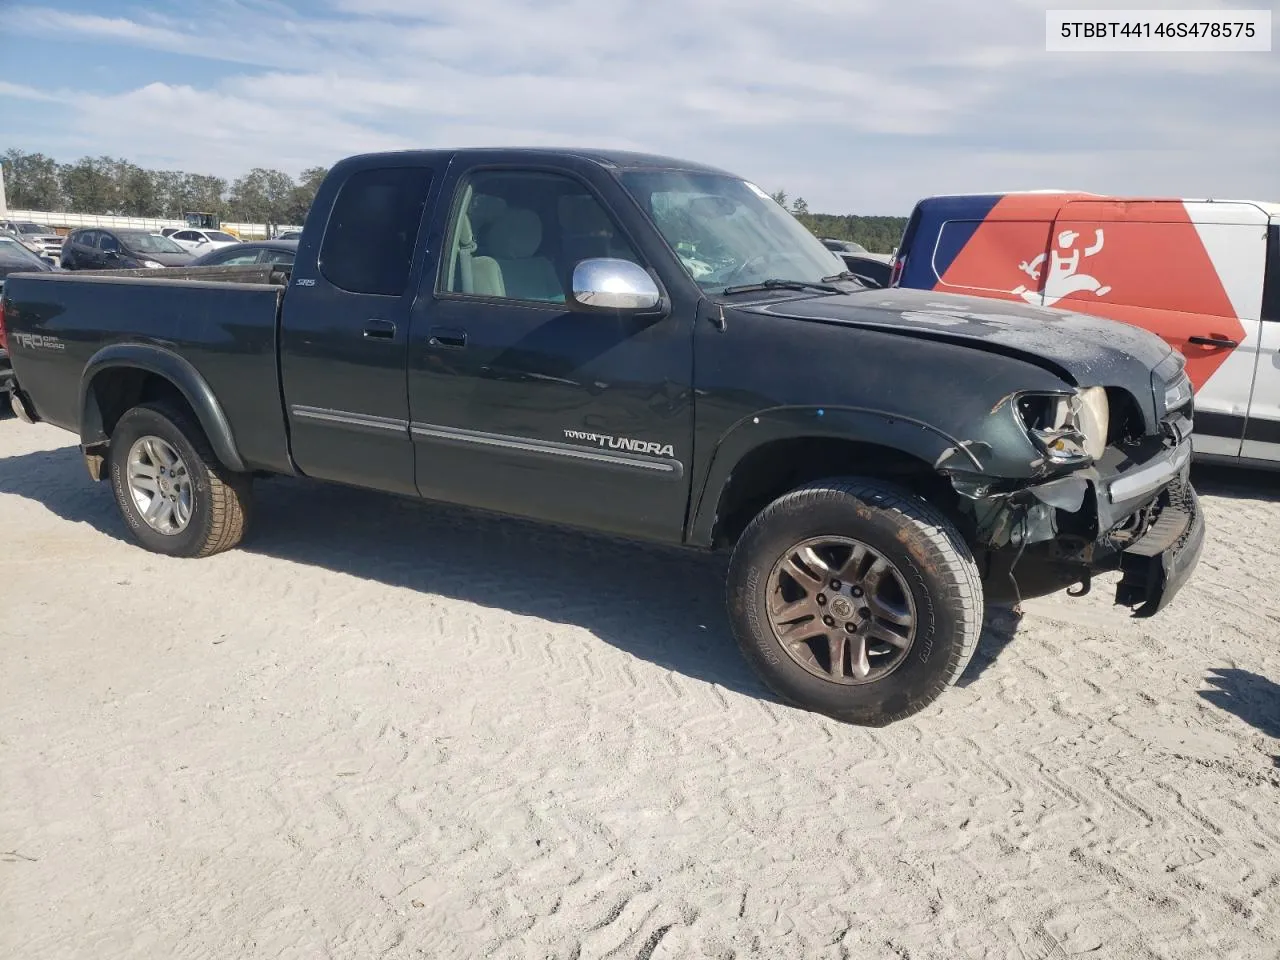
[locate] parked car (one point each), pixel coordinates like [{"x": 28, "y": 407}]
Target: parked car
[
  {"x": 15, "y": 257},
  {"x": 843, "y": 246},
  {"x": 39, "y": 238},
  {"x": 1202, "y": 274},
  {"x": 873, "y": 269},
  {"x": 653, "y": 349},
  {"x": 202, "y": 241},
  {"x": 255, "y": 251},
  {"x": 290, "y": 235},
  {"x": 97, "y": 248}
]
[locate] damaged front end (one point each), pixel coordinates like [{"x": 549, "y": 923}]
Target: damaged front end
[{"x": 1103, "y": 496}]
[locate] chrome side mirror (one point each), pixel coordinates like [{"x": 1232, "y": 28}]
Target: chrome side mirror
[{"x": 605, "y": 283}]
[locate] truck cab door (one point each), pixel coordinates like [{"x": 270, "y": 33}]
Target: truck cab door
[
  {"x": 345, "y": 325},
  {"x": 524, "y": 404},
  {"x": 1189, "y": 272},
  {"x": 1262, "y": 432}
]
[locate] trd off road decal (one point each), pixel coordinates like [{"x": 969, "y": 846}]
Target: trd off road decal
[{"x": 606, "y": 442}]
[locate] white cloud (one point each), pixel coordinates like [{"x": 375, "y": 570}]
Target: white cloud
[{"x": 855, "y": 104}]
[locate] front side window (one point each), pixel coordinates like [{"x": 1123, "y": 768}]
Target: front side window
[
  {"x": 219, "y": 237},
  {"x": 373, "y": 229},
  {"x": 239, "y": 259},
  {"x": 728, "y": 232},
  {"x": 109, "y": 243},
  {"x": 518, "y": 234}
]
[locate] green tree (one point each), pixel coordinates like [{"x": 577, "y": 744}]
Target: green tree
[
  {"x": 262, "y": 196},
  {"x": 304, "y": 194},
  {"x": 31, "y": 181},
  {"x": 780, "y": 198},
  {"x": 136, "y": 191},
  {"x": 89, "y": 186},
  {"x": 800, "y": 208}
]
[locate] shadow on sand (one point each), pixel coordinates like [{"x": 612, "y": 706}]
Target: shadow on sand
[
  {"x": 664, "y": 605},
  {"x": 1251, "y": 697}
]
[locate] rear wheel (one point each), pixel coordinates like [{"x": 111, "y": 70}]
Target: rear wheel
[
  {"x": 856, "y": 599},
  {"x": 175, "y": 496}
]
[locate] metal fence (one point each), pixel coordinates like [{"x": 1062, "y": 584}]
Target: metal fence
[{"x": 65, "y": 222}]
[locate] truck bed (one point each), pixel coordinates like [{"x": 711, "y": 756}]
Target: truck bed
[
  {"x": 268, "y": 273},
  {"x": 222, "y": 321}
]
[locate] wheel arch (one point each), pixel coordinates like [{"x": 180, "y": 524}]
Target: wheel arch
[
  {"x": 121, "y": 375},
  {"x": 775, "y": 451}
]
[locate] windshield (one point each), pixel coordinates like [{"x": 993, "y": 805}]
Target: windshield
[
  {"x": 220, "y": 237},
  {"x": 149, "y": 243},
  {"x": 728, "y": 232},
  {"x": 14, "y": 256},
  {"x": 35, "y": 228}
]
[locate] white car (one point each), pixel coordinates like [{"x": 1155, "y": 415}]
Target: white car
[{"x": 202, "y": 241}]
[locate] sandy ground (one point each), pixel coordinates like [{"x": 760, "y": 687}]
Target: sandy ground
[{"x": 389, "y": 729}]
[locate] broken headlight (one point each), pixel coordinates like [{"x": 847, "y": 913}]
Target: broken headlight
[{"x": 1067, "y": 427}]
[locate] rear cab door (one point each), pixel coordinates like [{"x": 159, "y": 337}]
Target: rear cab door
[
  {"x": 1262, "y": 432},
  {"x": 1190, "y": 272},
  {"x": 345, "y": 321}
]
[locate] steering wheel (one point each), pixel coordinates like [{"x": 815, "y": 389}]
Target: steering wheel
[{"x": 742, "y": 268}]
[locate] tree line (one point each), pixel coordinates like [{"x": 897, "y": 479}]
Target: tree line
[
  {"x": 117, "y": 187},
  {"x": 877, "y": 234},
  {"x": 109, "y": 185}
]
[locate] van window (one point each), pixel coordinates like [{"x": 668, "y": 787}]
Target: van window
[
  {"x": 992, "y": 256},
  {"x": 373, "y": 229},
  {"x": 1271, "y": 287}
]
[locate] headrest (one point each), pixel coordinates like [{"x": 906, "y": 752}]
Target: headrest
[
  {"x": 484, "y": 208},
  {"x": 515, "y": 235},
  {"x": 583, "y": 215}
]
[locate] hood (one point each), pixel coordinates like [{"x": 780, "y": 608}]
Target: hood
[{"x": 1085, "y": 350}]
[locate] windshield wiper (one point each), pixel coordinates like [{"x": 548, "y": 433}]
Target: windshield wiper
[
  {"x": 775, "y": 284},
  {"x": 843, "y": 275}
]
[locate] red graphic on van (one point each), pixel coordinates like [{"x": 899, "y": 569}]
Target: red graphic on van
[{"x": 1102, "y": 257}]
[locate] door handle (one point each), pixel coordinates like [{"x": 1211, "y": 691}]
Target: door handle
[
  {"x": 448, "y": 337},
  {"x": 1213, "y": 341},
  {"x": 379, "y": 330}
]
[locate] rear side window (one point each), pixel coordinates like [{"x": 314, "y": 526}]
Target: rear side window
[
  {"x": 992, "y": 257},
  {"x": 369, "y": 240}
]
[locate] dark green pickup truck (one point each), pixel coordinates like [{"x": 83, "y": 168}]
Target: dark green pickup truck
[{"x": 650, "y": 348}]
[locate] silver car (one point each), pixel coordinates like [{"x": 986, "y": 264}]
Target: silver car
[{"x": 39, "y": 238}]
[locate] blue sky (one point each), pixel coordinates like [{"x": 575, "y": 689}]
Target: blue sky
[{"x": 857, "y": 105}]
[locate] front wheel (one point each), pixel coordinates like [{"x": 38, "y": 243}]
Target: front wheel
[
  {"x": 856, "y": 599},
  {"x": 171, "y": 490}
]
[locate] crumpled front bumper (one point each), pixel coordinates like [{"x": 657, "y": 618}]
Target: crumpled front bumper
[
  {"x": 1134, "y": 511},
  {"x": 1159, "y": 563}
]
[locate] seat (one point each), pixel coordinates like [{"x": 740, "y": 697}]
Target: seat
[
  {"x": 588, "y": 232},
  {"x": 513, "y": 241},
  {"x": 478, "y": 275}
]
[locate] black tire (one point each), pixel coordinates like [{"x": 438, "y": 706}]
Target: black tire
[
  {"x": 220, "y": 498},
  {"x": 932, "y": 560}
]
